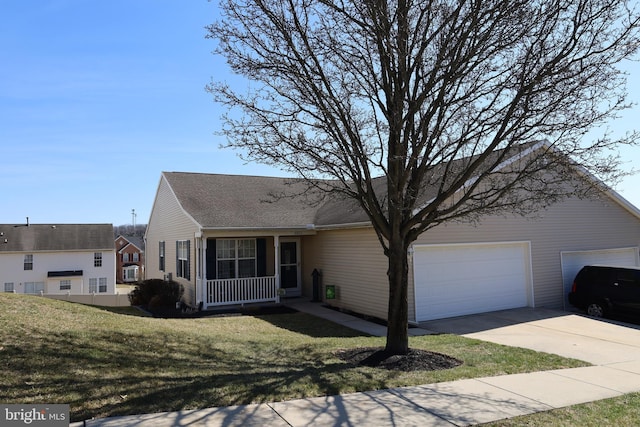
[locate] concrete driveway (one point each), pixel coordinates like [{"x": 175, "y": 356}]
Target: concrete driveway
[{"x": 600, "y": 342}]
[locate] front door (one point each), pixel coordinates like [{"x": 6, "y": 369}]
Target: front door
[{"x": 290, "y": 266}]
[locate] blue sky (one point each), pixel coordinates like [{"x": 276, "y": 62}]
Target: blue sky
[{"x": 97, "y": 98}]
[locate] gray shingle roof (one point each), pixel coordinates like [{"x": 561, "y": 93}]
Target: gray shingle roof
[
  {"x": 137, "y": 241},
  {"x": 240, "y": 201},
  {"x": 55, "y": 237},
  {"x": 237, "y": 201}
]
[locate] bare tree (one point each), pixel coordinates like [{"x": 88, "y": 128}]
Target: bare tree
[{"x": 437, "y": 97}]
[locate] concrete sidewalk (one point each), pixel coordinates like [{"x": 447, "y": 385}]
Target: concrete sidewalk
[
  {"x": 353, "y": 322},
  {"x": 456, "y": 403}
]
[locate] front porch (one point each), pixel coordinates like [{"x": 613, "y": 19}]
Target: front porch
[
  {"x": 247, "y": 290},
  {"x": 246, "y": 269}
]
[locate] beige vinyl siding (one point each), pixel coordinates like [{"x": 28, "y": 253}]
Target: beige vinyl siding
[
  {"x": 310, "y": 252},
  {"x": 583, "y": 225},
  {"x": 169, "y": 223},
  {"x": 353, "y": 261},
  {"x": 570, "y": 225}
]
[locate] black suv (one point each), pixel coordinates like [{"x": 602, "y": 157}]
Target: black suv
[{"x": 603, "y": 290}]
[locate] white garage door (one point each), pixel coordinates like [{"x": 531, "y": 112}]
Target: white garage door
[
  {"x": 573, "y": 261},
  {"x": 454, "y": 280}
]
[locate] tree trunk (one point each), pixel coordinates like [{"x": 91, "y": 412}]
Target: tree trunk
[{"x": 397, "y": 322}]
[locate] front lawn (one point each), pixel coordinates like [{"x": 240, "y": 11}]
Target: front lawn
[
  {"x": 107, "y": 362},
  {"x": 622, "y": 411}
]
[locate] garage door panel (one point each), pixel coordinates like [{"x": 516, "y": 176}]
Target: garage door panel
[
  {"x": 490, "y": 284},
  {"x": 464, "y": 279},
  {"x": 573, "y": 261}
]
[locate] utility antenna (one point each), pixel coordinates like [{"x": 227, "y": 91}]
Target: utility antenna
[{"x": 133, "y": 217}]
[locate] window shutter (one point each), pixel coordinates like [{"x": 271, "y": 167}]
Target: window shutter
[
  {"x": 161, "y": 256},
  {"x": 187, "y": 274},
  {"x": 261, "y": 257},
  {"x": 178, "y": 271},
  {"x": 211, "y": 259}
]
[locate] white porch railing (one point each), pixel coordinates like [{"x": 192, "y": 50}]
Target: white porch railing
[{"x": 240, "y": 291}]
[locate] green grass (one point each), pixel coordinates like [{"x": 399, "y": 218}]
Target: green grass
[
  {"x": 623, "y": 411},
  {"x": 107, "y": 362}
]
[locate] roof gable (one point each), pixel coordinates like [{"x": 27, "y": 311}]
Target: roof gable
[{"x": 135, "y": 241}]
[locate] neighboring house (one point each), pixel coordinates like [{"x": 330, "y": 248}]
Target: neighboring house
[
  {"x": 57, "y": 259},
  {"x": 230, "y": 242},
  {"x": 129, "y": 259}
]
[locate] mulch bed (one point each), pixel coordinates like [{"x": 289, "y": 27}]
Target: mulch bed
[{"x": 415, "y": 360}]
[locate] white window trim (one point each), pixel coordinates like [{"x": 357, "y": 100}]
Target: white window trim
[
  {"x": 237, "y": 258},
  {"x": 98, "y": 285},
  {"x": 183, "y": 259},
  {"x": 28, "y": 262},
  {"x": 38, "y": 288},
  {"x": 162, "y": 261}
]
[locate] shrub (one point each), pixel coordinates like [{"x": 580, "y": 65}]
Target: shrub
[{"x": 156, "y": 293}]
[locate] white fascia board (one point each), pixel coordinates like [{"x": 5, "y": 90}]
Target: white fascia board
[
  {"x": 363, "y": 224},
  {"x": 623, "y": 202},
  {"x": 253, "y": 231},
  {"x": 255, "y": 228},
  {"x": 610, "y": 192}
]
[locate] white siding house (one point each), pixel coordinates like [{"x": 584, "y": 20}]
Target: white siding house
[{"x": 71, "y": 259}]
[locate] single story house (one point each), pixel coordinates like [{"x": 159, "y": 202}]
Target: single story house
[
  {"x": 57, "y": 259},
  {"x": 228, "y": 240}
]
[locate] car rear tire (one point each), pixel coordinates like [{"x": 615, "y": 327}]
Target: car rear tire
[{"x": 595, "y": 309}]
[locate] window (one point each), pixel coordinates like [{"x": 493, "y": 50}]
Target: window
[
  {"x": 33, "y": 287},
  {"x": 136, "y": 257},
  {"x": 97, "y": 259},
  {"x": 235, "y": 258},
  {"x": 161, "y": 256},
  {"x": 226, "y": 255},
  {"x": 102, "y": 284},
  {"x": 182, "y": 259},
  {"x": 28, "y": 262},
  {"x": 247, "y": 258},
  {"x": 65, "y": 285},
  {"x": 97, "y": 285},
  {"x": 125, "y": 257},
  {"x": 8, "y": 287},
  {"x": 130, "y": 274}
]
